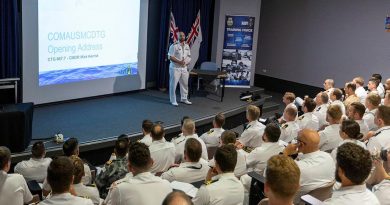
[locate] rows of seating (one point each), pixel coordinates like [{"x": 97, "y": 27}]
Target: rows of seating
[{"x": 330, "y": 149}]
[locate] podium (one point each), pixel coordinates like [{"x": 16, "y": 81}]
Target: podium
[{"x": 16, "y": 126}]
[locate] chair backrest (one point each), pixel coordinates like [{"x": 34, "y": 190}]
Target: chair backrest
[
  {"x": 323, "y": 193},
  {"x": 264, "y": 202},
  {"x": 207, "y": 65},
  {"x": 211, "y": 151}
]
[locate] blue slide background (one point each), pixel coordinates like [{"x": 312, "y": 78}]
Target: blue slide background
[{"x": 81, "y": 74}]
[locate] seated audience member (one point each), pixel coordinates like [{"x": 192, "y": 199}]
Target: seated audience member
[
  {"x": 188, "y": 131},
  {"x": 308, "y": 120},
  {"x": 289, "y": 129},
  {"x": 381, "y": 137},
  {"x": 71, "y": 147},
  {"x": 381, "y": 179},
  {"x": 13, "y": 187},
  {"x": 387, "y": 85},
  {"x": 289, "y": 101},
  {"x": 349, "y": 132},
  {"x": 257, "y": 159},
  {"x": 329, "y": 86},
  {"x": 146, "y": 129},
  {"x": 143, "y": 187},
  {"x": 211, "y": 138},
  {"x": 386, "y": 101},
  {"x": 36, "y": 167},
  {"x": 380, "y": 88},
  {"x": 336, "y": 97},
  {"x": 113, "y": 169},
  {"x": 281, "y": 180},
  {"x": 353, "y": 165},
  {"x": 177, "y": 198},
  {"x": 350, "y": 97},
  {"x": 372, "y": 102},
  {"x": 226, "y": 189},
  {"x": 161, "y": 151},
  {"x": 317, "y": 167},
  {"x": 360, "y": 91},
  {"x": 229, "y": 137},
  {"x": 193, "y": 169},
  {"x": 372, "y": 86},
  {"x": 355, "y": 112},
  {"x": 60, "y": 178},
  {"x": 251, "y": 136},
  {"x": 120, "y": 137},
  {"x": 321, "y": 100},
  {"x": 330, "y": 136},
  {"x": 79, "y": 188}
]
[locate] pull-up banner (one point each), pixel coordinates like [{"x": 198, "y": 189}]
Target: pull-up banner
[{"x": 237, "y": 50}]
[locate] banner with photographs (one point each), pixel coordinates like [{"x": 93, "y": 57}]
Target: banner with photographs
[{"x": 237, "y": 50}]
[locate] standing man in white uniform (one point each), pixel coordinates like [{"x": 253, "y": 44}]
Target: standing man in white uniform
[{"x": 180, "y": 56}]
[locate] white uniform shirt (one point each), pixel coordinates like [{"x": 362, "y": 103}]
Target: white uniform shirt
[
  {"x": 317, "y": 170},
  {"x": 14, "y": 190},
  {"x": 330, "y": 137},
  {"x": 252, "y": 134},
  {"x": 308, "y": 121},
  {"x": 144, "y": 188},
  {"x": 357, "y": 142},
  {"x": 320, "y": 112},
  {"x": 211, "y": 138},
  {"x": 87, "y": 192},
  {"x": 33, "y": 169},
  {"x": 240, "y": 168},
  {"x": 341, "y": 104},
  {"x": 228, "y": 190},
  {"x": 180, "y": 145},
  {"x": 188, "y": 172},
  {"x": 257, "y": 159},
  {"x": 86, "y": 179},
  {"x": 65, "y": 199},
  {"x": 381, "y": 90},
  {"x": 289, "y": 131},
  {"x": 180, "y": 53},
  {"x": 163, "y": 155},
  {"x": 382, "y": 191},
  {"x": 147, "y": 139},
  {"x": 369, "y": 117},
  {"x": 357, "y": 194},
  {"x": 362, "y": 94},
  {"x": 380, "y": 140},
  {"x": 363, "y": 127}
]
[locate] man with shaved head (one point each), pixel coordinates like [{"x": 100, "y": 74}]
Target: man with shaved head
[
  {"x": 317, "y": 167},
  {"x": 329, "y": 86}
]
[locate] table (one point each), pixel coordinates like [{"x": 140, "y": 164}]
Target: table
[
  {"x": 16, "y": 126},
  {"x": 220, "y": 75},
  {"x": 10, "y": 83}
]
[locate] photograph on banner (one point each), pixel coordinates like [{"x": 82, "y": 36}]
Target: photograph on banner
[
  {"x": 237, "y": 64},
  {"x": 237, "y": 50}
]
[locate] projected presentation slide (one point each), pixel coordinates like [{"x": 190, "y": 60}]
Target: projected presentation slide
[{"x": 81, "y": 40}]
